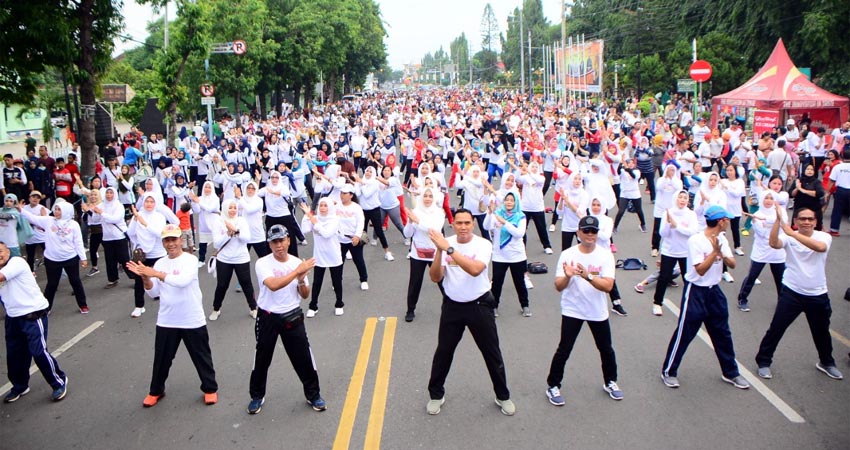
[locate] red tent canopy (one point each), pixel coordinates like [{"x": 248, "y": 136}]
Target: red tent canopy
[{"x": 780, "y": 86}]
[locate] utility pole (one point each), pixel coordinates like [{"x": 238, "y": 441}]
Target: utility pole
[
  {"x": 521, "y": 55},
  {"x": 530, "y": 69},
  {"x": 563, "y": 71}
]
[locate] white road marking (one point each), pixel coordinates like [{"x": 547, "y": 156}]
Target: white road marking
[
  {"x": 62, "y": 349},
  {"x": 754, "y": 380}
]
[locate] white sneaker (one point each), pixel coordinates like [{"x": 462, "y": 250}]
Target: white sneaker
[
  {"x": 311, "y": 313},
  {"x": 338, "y": 311},
  {"x": 214, "y": 315},
  {"x": 642, "y": 181},
  {"x": 727, "y": 277},
  {"x": 389, "y": 256},
  {"x": 547, "y": 251},
  {"x": 137, "y": 312},
  {"x": 348, "y": 256},
  {"x": 253, "y": 313},
  {"x": 528, "y": 283},
  {"x": 364, "y": 286},
  {"x": 304, "y": 242},
  {"x": 757, "y": 282},
  {"x": 374, "y": 243},
  {"x": 552, "y": 228},
  {"x": 407, "y": 242},
  {"x": 201, "y": 264},
  {"x": 739, "y": 252},
  {"x": 657, "y": 310}
]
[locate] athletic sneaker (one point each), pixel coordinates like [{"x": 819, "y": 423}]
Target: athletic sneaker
[
  {"x": 673, "y": 284},
  {"x": 14, "y": 395},
  {"x": 84, "y": 309},
  {"x": 739, "y": 382},
  {"x": 554, "y": 396},
  {"x": 757, "y": 282},
  {"x": 151, "y": 400},
  {"x": 528, "y": 283},
  {"x": 311, "y": 313},
  {"x": 744, "y": 306},
  {"x": 252, "y": 313},
  {"x": 657, "y": 310},
  {"x": 727, "y": 277},
  {"x": 111, "y": 284},
  {"x": 745, "y": 232},
  {"x": 201, "y": 264},
  {"x": 764, "y": 372},
  {"x": 214, "y": 315},
  {"x": 618, "y": 308},
  {"x": 374, "y": 243},
  {"x": 338, "y": 311},
  {"x": 654, "y": 253},
  {"x": 526, "y": 311},
  {"x": 318, "y": 404},
  {"x": 210, "y": 398},
  {"x": 59, "y": 393},
  {"x": 613, "y": 390},
  {"x": 407, "y": 242},
  {"x": 434, "y": 406},
  {"x": 137, "y": 312},
  {"x": 409, "y": 317},
  {"x": 613, "y": 248},
  {"x": 739, "y": 251},
  {"x": 389, "y": 256},
  {"x": 92, "y": 272},
  {"x": 364, "y": 286},
  {"x": 552, "y": 228},
  {"x": 507, "y": 405},
  {"x": 238, "y": 287},
  {"x": 547, "y": 251},
  {"x": 256, "y": 405},
  {"x": 671, "y": 382},
  {"x": 348, "y": 256},
  {"x": 643, "y": 228},
  {"x": 639, "y": 288},
  {"x": 830, "y": 371}
]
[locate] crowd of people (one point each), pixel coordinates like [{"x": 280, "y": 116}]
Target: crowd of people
[{"x": 423, "y": 160}]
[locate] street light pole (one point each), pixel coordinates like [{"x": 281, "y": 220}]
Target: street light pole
[{"x": 521, "y": 55}]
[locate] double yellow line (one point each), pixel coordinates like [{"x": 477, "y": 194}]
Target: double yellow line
[{"x": 355, "y": 387}]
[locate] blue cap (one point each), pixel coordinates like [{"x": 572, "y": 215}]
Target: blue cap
[{"x": 716, "y": 212}]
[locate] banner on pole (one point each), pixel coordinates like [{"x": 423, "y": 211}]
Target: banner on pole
[
  {"x": 584, "y": 65},
  {"x": 764, "y": 120}
]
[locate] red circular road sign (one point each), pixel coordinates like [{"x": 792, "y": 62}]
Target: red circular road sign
[
  {"x": 700, "y": 70},
  {"x": 207, "y": 90},
  {"x": 239, "y": 47}
]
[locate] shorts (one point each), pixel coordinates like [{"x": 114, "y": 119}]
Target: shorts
[{"x": 188, "y": 240}]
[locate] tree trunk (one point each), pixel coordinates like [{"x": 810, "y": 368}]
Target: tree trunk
[
  {"x": 87, "y": 81},
  {"x": 171, "y": 108},
  {"x": 262, "y": 106},
  {"x": 237, "y": 99},
  {"x": 296, "y": 95}
]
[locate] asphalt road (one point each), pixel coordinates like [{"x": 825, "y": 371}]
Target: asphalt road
[{"x": 376, "y": 387}]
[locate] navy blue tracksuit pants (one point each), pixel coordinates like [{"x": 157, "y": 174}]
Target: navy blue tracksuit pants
[
  {"x": 702, "y": 305},
  {"x": 26, "y": 340}
]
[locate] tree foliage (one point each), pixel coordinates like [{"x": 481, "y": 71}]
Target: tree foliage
[{"x": 489, "y": 29}]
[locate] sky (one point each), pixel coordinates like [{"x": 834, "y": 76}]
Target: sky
[{"x": 414, "y": 28}]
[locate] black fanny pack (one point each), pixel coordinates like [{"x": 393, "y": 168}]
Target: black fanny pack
[
  {"x": 36, "y": 315},
  {"x": 487, "y": 299},
  {"x": 289, "y": 319}
]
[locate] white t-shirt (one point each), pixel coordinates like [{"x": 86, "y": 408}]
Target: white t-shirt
[
  {"x": 805, "y": 269},
  {"x": 674, "y": 241},
  {"x": 459, "y": 285},
  {"x": 284, "y": 299},
  {"x": 514, "y": 250},
  {"x": 840, "y": 174},
  {"x": 699, "y": 247},
  {"x": 579, "y": 299},
  {"x": 180, "y": 301},
  {"x": 20, "y": 293}
]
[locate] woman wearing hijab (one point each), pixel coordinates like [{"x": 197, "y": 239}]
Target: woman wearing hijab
[
  {"x": 38, "y": 237},
  {"x": 208, "y": 209},
  {"x": 735, "y": 191},
  {"x": 425, "y": 217},
  {"x": 144, "y": 233},
  {"x": 629, "y": 193},
  {"x": 325, "y": 228},
  {"x": 532, "y": 202},
  {"x": 251, "y": 206},
  {"x": 572, "y": 206},
  {"x": 63, "y": 250},
  {"x": 666, "y": 190},
  {"x": 368, "y": 193},
  {"x": 229, "y": 180},
  {"x": 762, "y": 253},
  {"x": 13, "y": 230},
  {"x": 277, "y": 200},
  {"x": 606, "y": 231},
  {"x": 472, "y": 183},
  {"x": 231, "y": 235},
  {"x": 390, "y": 191},
  {"x": 678, "y": 225},
  {"x": 94, "y": 220},
  {"x": 126, "y": 187},
  {"x": 506, "y": 225},
  {"x": 598, "y": 184},
  {"x": 114, "y": 229},
  {"x": 710, "y": 194},
  {"x": 808, "y": 192}
]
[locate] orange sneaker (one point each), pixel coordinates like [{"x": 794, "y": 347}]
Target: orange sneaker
[
  {"x": 151, "y": 400},
  {"x": 211, "y": 398}
]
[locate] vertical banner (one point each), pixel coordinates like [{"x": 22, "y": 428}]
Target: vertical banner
[
  {"x": 583, "y": 64},
  {"x": 764, "y": 120}
]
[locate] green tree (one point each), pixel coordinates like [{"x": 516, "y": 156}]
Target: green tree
[
  {"x": 459, "y": 49},
  {"x": 489, "y": 29},
  {"x": 654, "y": 74}
]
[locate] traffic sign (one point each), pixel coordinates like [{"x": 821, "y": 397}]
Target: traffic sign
[
  {"x": 700, "y": 70},
  {"x": 208, "y": 101},
  {"x": 207, "y": 90},
  {"x": 239, "y": 47},
  {"x": 685, "y": 85}
]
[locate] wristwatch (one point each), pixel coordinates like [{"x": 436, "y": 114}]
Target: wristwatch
[
  {"x": 589, "y": 277},
  {"x": 450, "y": 250}
]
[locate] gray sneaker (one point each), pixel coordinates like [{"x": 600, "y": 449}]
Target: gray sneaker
[
  {"x": 526, "y": 311},
  {"x": 830, "y": 371},
  {"x": 671, "y": 382},
  {"x": 738, "y": 381},
  {"x": 433, "y": 406},
  {"x": 764, "y": 372},
  {"x": 508, "y": 407}
]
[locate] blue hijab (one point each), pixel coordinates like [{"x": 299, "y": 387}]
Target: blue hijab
[{"x": 514, "y": 217}]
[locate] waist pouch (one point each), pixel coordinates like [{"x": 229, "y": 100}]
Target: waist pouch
[
  {"x": 290, "y": 319},
  {"x": 36, "y": 315},
  {"x": 487, "y": 299}
]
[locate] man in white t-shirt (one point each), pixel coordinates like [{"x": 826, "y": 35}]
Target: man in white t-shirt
[
  {"x": 804, "y": 290},
  {"x": 174, "y": 279},
  {"x": 839, "y": 179},
  {"x": 781, "y": 161},
  {"x": 26, "y": 329},
  {"x": 700, "y": 131},
  {"x": 584, "y": 276},
  {"x": 703, "y": 302},
  {"x": 283, "y": 284},
  {"x": 460, "y": 263}
]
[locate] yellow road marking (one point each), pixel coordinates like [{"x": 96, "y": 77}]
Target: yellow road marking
[
  {"x": 382, "y": 381},
  {"x": 839, "y": 337},
  {"x": 355, "y": 387}
]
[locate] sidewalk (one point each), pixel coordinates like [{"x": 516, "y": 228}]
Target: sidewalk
[{"x": 18, "y": 149}]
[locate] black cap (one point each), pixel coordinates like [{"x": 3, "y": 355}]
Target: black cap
[
  {"x": 277, "y": 232},
  {"x": 588, "y": 222}
]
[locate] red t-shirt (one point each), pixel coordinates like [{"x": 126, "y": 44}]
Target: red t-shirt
[{"x": 64, "y": 182}]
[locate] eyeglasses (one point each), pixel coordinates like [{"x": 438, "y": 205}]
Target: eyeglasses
[
  {"x": 806, "y": 219},
  {"x": 589, "y": 230},
  {"x": 275, "y": 178}
]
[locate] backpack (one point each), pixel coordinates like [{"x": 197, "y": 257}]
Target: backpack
[
  {"x": 537, "y": 267},
  {"x": 631, "y": 264}
]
